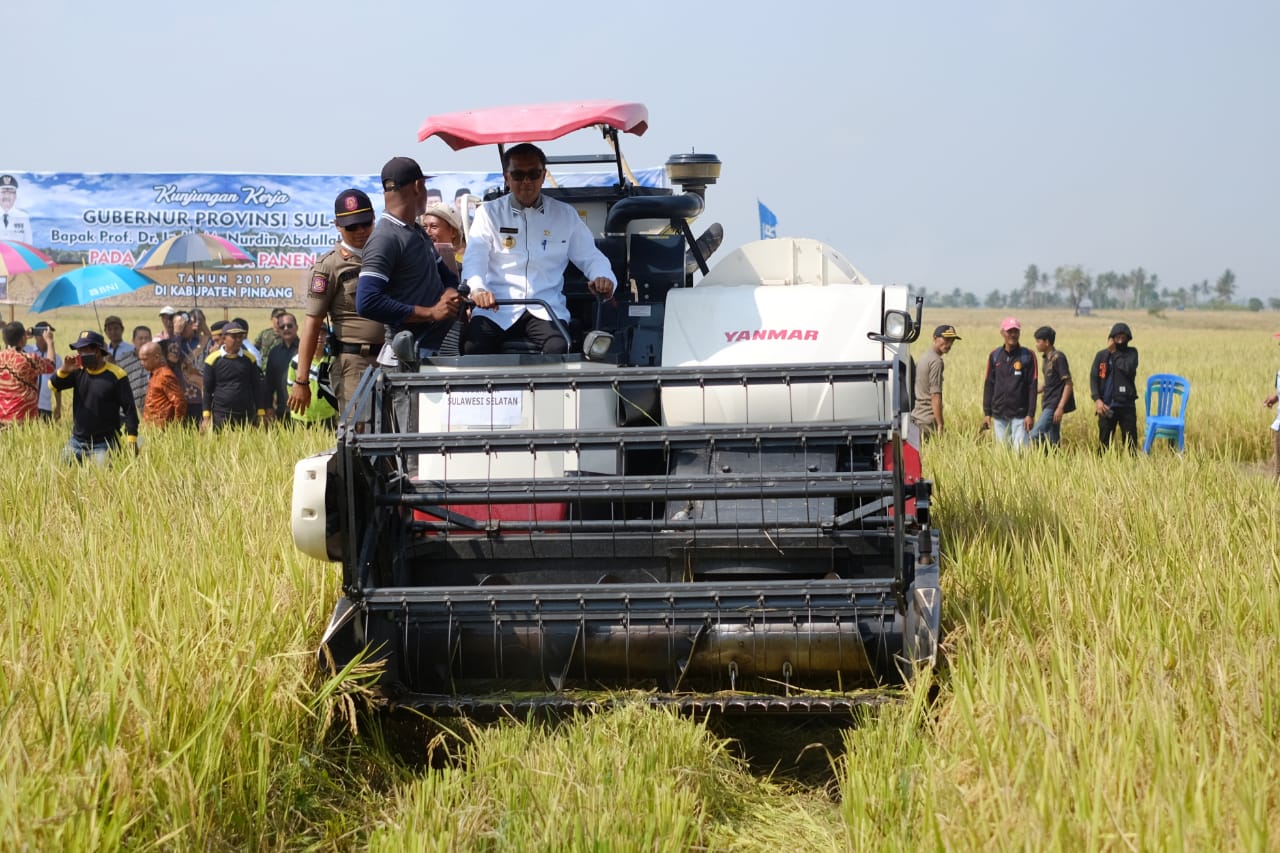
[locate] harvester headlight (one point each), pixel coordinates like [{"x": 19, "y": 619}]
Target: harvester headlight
[
  {"x": 896, "y": 324},
  {"x": 597, "y": 345}
]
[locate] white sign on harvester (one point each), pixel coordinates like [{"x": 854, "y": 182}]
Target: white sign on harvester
[{"x": 484, "y": 409}]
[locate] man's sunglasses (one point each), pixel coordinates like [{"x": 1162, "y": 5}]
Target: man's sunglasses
[
  {"x": 531, "y": 175},
  {"x": 358, "y": 227}
]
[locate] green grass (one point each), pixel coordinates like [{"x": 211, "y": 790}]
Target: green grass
[{"x": 1113, "y": 623}]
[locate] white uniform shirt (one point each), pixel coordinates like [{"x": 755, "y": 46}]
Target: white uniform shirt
[
  {"x": 518, "y": 252},
  {"x": 15, "y": 225}
]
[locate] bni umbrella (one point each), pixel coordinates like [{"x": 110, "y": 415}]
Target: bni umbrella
[
  {"x": 17, "y": 258},
  {"x": 83, "y": 285}
]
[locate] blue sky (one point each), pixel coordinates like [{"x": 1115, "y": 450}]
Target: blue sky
[{"x": 940, "y": 144}]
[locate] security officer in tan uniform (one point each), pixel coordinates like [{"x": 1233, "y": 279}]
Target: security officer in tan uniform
[{"x": 355, "y": 340}]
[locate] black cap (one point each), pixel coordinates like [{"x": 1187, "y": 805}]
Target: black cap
[
  {"x": 8, "y": 182},
  {"x": 400, "y": 172},
  {"x": 947, "y": 331},
  {"x": 89, "y": 338},
  {"x": 353, "y": 207},
  {"x": 1120, "y": 329}
]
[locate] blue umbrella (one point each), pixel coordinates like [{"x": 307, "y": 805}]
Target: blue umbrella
[{"x": 83, "y": 285}]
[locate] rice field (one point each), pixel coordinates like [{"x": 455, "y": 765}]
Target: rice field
[{"x": 1112, "y": 630}]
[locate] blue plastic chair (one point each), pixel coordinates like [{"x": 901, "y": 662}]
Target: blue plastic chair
[{"x": 1167, "y": 396}]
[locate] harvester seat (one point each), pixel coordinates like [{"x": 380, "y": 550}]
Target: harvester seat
[{"x": 1166, "y": 401}]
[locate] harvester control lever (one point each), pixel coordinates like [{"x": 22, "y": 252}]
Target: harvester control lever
[{"x": 464, "y": 291}]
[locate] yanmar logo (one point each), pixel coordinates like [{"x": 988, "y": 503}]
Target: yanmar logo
[{"x": 771, "y": 335}]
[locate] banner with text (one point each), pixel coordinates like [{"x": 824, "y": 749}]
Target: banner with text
[{"x": 283, "y": 222}]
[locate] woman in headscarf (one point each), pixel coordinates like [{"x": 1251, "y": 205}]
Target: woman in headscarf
[{"x": 444, "y": 227}]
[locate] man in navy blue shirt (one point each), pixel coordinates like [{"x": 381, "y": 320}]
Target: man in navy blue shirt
[
  {"x": 1009, "y": 392},
  {"x": 401, "y": 281}
]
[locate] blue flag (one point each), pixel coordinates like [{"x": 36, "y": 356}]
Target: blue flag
[{"x": 768, "y": 222}]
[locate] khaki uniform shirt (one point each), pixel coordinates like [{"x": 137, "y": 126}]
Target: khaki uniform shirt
[
  {"x": 928, "y": 382},
  {"x": 332, "y": 291}
]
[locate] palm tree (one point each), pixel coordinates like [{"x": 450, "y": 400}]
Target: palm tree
[
  {"x": 1075, "y": 282},
  {"x": 1030, "y": 278},
  {"x": 1226, "y": 286}
]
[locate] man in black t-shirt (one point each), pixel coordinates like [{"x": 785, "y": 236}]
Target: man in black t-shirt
[
  {"x": 283, "y": 351},
  {"x": 401, "y": 282},
  {"x": 1057, "y": 395}
]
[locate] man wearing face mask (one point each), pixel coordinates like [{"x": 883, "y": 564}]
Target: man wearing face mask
[
  {"x": 102, "y": 401},
  {"x": 1113, "y": 384}
]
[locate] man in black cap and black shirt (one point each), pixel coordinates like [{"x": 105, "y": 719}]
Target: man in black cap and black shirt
[
  {"x": 355, "y": 340},
  {"x": 403, "y": 282},
  {"x": 102, "y": 401},
  {"x": 235, "y": 391},
  {"x": 1113, "y": 384}
]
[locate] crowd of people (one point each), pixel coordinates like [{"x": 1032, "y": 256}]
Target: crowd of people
[
  {"x": 1015, "y": 384},
  {"x": 207, "y": 376},
  {"x": 399, "y": 272}
]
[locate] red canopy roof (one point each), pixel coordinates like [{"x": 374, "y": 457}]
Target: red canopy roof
[{"x": 532, "y": 123}]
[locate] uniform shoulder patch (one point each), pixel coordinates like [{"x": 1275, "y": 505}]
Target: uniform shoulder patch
[{"x": 319, "y": 283}]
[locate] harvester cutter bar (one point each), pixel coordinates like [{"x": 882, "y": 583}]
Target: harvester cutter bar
[
  {"x": 489, "y": 708},
  {"x": 640, "y": 601}
]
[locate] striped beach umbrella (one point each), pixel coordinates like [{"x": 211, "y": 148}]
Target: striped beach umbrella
[
  {"x": 17, "y": 258},
  {"x": 194, "y": 250}
]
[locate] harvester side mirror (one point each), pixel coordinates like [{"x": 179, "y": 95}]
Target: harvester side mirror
[{"x": 597, "y": 345}]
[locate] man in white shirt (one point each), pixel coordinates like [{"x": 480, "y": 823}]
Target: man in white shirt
[
  {"x": 117, "y": 346},
  {"x": 518, "y": 248},
  {"x": 14, "y": 223}
]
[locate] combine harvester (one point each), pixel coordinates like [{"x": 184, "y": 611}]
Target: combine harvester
[{"x": 711, "y": 502}]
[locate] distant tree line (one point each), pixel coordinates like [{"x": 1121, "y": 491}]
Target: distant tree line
[{"x": 1072, "y": 287}]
